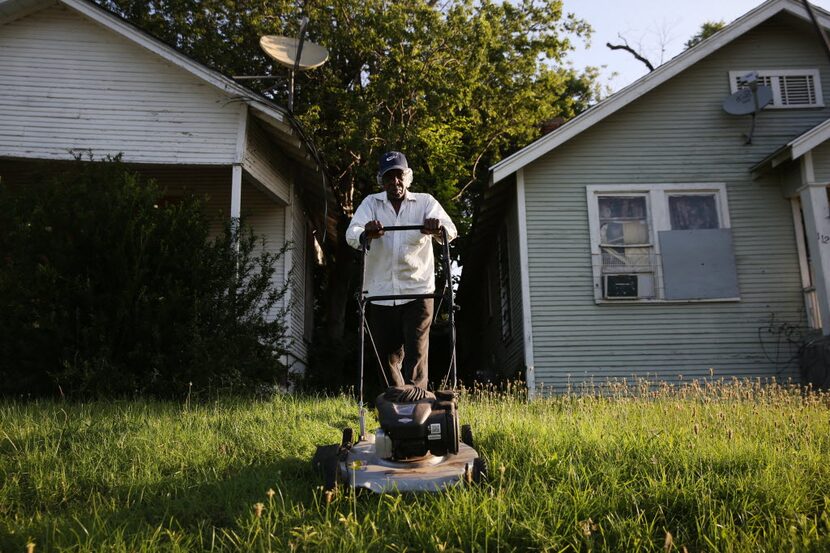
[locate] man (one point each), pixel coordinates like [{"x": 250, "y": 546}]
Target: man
[{"x": 400, "y": 262}]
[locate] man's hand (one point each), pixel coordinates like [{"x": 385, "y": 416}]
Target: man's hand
[
  {"x": 431, "y": 226},
  {"x": 373, "y": 229}
]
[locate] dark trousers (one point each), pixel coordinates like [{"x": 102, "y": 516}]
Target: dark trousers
[{"x": 401, "y": 335}]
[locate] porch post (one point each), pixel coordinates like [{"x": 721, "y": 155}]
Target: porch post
[
  {"x": 236, "y": 193},
  {"x": 236, "y": 208},
  {"x": 236, "y": 175},
  {"x": 816, "y": 209}
]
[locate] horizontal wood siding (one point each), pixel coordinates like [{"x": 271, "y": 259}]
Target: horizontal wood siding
[
  {"x": 67, "y": 83},
  {"x": 501, "y": 358},
  {"x": 300, "y": 267},
  {"x": 267, "y": 219},
  {"x": 264, "y": 163},
  {"x": 677, "y": 133},
  {"x": 514, "y": 360},
  {"x": 821, "y": 162}
]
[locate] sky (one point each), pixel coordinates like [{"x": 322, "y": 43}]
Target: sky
[{"x": 646, "y": 24}]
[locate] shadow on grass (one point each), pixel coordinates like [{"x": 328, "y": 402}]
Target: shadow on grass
[{"x": 169, "y": 504}]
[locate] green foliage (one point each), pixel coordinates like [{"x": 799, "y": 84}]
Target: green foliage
[
  {"x": 108, "y": 289},
  {"x": 720, "y": 467},
  {"x": 707, "y": 29}
]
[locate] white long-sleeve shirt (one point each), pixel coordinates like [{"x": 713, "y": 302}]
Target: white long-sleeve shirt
[{"x": 399, "y": 262}]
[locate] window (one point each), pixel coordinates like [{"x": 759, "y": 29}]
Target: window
[
  {"x": 689, "y": 212},
  {"x": 625, "y": 246},
  {"x": 658, "y": 242},
  {"x": 791, "y": 88}
]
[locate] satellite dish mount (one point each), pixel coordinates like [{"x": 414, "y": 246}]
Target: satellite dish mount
[
  {"x": 749, "y": 100},
  {"x": 294, "y": 53}
]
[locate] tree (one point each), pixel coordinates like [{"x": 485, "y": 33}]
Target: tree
[
  {"x": 456, "y": 85},
  {"x": 707, "y": 29}
]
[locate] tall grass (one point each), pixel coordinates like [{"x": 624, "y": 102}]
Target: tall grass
[{"x": 719, "y": 466}]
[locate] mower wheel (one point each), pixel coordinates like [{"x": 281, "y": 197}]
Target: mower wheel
[
  {"x": 479, "y": 470},
  {"x": 467, "y": 435},
  {"x": 331, "y": 473},
  {"x": 348, "y": 438}
]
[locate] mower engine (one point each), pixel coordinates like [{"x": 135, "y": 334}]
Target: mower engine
[{"x": 415, "y": 422}]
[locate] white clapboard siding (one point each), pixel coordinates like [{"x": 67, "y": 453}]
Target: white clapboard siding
[
  {"x": 69, "y": 84},
  {"x": 677, "y": 133},
  {"x": 267, "y": 219},
  {"x": 263, "y": 161}
]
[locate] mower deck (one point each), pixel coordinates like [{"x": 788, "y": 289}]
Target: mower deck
[{"x": 363, "y": 469}]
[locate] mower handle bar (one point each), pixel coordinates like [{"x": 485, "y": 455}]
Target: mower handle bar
[
  {"x": 403, "y": 297},
  {"x": 404, "y": 227}
]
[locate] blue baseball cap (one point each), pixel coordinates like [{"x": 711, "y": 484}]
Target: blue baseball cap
[{"x": 391, "y": 160}]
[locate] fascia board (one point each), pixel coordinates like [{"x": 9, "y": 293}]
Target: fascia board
[
  {"x": 617, "y": 101},
  {"x": 810, "y": 139}
]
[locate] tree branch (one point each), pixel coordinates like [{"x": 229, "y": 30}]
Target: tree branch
[
  {"x": 631, "y": 51},
  {"x": 475, "y": 166}
]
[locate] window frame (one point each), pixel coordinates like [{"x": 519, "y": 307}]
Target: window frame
[
  {"x": 776, "y": 90},
  {"x": 650, "y": 243},
  {"x": 657, "y": 206}
]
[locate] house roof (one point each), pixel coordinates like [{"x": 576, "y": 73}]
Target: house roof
[
  {"x": 618, "y": 100},
  {"x": 279, "y": 122}
]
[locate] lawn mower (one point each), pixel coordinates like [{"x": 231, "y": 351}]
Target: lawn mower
[{"x": 419, "y": 445}]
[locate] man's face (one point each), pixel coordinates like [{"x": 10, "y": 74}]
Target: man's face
[{"x": 393, "y": 184}]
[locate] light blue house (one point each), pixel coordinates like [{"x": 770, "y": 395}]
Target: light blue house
[{"x": 648, "y": 237}]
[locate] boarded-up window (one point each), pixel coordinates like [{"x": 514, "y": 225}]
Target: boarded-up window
[
  {"x": 661, "y": 242},
  {"x": 698, "y": 264}
]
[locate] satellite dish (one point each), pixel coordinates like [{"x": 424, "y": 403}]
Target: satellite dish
[
  {"x": 744, "y": 102},
  {"x": 283, "y": 50}
]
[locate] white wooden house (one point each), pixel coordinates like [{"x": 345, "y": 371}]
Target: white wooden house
[
  {"x": 647, "y": 238},
  {"x": 76, "y": 79}
]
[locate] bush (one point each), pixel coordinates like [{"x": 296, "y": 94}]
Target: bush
[{"x": 108, "y": 290}]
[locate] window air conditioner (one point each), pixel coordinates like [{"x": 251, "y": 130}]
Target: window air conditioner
[{"x": 628, "y": 286}]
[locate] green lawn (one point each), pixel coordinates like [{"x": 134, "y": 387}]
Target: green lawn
[{"x": 721, "y": 467}]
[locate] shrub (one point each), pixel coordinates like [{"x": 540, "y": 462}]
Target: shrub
[{"x": 108, "y": 290}]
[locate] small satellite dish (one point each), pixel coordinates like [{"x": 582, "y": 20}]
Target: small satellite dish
[
  {"x": 744, "y": 102},
  {"x": 283, "y": 50}
]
